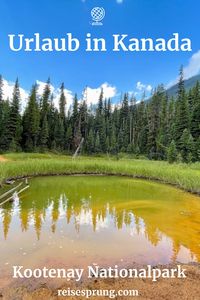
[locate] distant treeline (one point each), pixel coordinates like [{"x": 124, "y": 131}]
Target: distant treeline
[{"x": 161, "y": 128}]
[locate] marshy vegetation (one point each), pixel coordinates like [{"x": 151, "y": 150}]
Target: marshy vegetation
[{"x": 185, "y": 176}]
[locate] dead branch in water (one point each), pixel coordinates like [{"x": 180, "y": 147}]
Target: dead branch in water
[
  {"x": 7, "y": 200},
  {"x": 10, "y": 191}
]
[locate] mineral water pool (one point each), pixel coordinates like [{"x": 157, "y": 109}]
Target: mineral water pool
[{"x": 76, "y": 221}]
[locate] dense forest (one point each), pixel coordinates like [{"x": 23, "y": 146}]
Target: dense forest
[{"x": 160, "y": 128}]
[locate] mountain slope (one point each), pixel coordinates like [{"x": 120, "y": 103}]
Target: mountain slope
[{"x": 189, "y": 83}]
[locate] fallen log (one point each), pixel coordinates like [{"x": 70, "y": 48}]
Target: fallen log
[
  {"x": 10, "y": 198},
  {"x": 10, "y": 191}
]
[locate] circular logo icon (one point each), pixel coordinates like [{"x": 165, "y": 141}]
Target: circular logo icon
[{"x": 98, "y": 13}]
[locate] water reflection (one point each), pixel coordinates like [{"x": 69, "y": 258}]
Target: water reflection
[{"x": 152, "y": 221}]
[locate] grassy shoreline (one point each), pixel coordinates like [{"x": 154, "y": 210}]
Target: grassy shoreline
[{"x": 186, "y": 177}]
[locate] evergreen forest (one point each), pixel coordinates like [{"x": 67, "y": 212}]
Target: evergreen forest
[{"x": 160, "y": 128}]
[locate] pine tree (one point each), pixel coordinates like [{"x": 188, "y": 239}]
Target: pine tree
[
  {"x": 44, "y": 126},
  {"x": 182, "y": 117},
  {"x": 14, "y": 126},
  {"x": 83, "y": 115},
  {"x": 141, "y": 130},
  {"x": 97, "y": 144},
  {"x": 181, "y": 83},
  {"x": 109, "y": 121},
  {"x": 1, "y": 108},
  {"x": 100, "y": 103},
  {"x": 187, "y": 146},
  {"x": 52, "y": 119},
  {"x": 195, "y": 115},
  {"x": 163, "y": 135},
  {"x": 100, "y": 125},
  {"x": 90, "y": 142},
  {"x": 172, "y": 152},
  {"x": 31, "y": 120},
  {"x": 1, "y": 89},
  {"x": 59, "y": 132},
  {"x": 171, "y": 119},
  {"x": 4, "y": 138},
  {"x": 62, "y": 103},
  {"x": 196, "y": 156},
  {"x": 124, "y": 120},
  {"x": 190, "y": 97},
  {"x": 102, "y": 136},
  {"x": 154, "y": 122},
  {"x": 120, "y": 141},
  {"x": 113, "y": 142},
  {"x": 75, "y": 114},
  {"x": 68, "y": 138},
  {"x": 76, "y": 123},
  {"x": 44, "y": 134}
]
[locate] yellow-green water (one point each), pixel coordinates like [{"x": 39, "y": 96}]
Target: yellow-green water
[{"x": 80, "y": 220}]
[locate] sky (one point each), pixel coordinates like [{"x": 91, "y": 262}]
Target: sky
[{"x": 116, "y": 72}]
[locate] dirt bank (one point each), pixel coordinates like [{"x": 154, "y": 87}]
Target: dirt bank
[
  {"x": 165, "y": 289},
  {"x": 2, "y": 158}
]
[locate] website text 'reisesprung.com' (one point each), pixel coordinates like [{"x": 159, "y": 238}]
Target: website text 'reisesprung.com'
[{"x": 111, "y": 294}]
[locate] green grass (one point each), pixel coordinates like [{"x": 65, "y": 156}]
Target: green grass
[{"x": 184, "y": 176}]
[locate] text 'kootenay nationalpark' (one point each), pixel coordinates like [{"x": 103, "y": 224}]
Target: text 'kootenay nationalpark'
[{"x": 99, "y": 272}]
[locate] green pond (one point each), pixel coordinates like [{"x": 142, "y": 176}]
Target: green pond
[{"x": 82, "y": 220}]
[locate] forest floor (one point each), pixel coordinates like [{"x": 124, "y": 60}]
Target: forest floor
[{"x": 165, "y": 289}]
